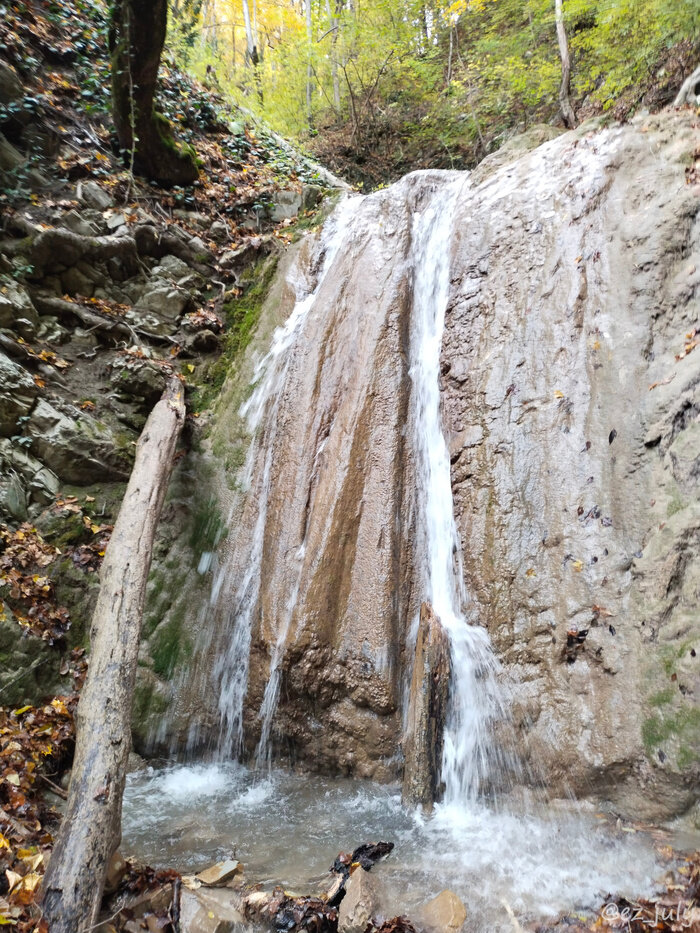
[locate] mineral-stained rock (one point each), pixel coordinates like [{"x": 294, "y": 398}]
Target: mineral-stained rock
[
  {"x": 427, "y": 712},
  {"x": 443, "y": 914},
  {"x": 361, "y": 903},
  {"x": 221, "y": 872}
]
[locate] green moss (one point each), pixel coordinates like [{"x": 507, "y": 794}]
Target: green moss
[
  {"x": 682, "y": 725},
  {"x": 208, "y": 526},
  {"x": 241, "y": 315},
  {"x": 663, "y": 697},
  {"x": 166, "y": 647},
  {"x": 146, "y": 701}
]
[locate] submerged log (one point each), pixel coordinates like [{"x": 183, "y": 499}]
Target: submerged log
[
  {"x": 91, "y": 828},
  {"x": 427, "y": 711}
]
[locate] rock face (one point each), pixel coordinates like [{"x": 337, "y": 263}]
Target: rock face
[
  {"x": 427, "y": 712},
  {"x": 575, "y": 272}
]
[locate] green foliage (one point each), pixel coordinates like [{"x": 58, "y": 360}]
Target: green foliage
[{"x": 438, "y": 83}]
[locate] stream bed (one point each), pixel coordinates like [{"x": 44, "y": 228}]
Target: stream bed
[{"x": 288, "y": 828}]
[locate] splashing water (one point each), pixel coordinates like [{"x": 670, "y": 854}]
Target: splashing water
[{"x": 475, "y": 700}]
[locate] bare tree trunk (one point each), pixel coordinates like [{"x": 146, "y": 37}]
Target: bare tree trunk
[
  {"x": 309, "y": 66},
  {"x": 91, "y": 828},
  {"x": 136, "y": 38},
  {"x": 251, "y": 53},
  {"x": 334, "y": 25},
  {"x": 567, "y": 110}
]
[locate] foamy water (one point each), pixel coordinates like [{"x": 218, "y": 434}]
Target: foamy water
[{"x": 289, "y": 828}]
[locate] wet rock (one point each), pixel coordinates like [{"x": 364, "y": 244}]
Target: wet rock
[
  {"x": 79, "y": 450},
  {"x": 360, "y": 904},
  {"x": 427, "y": 712},
  {"x": 92, "y": 195},
  {"x": 443, "y": 914},
  {"x": 17, "y": 312},
  {"x": 18, "y": 392},
  {"x": 209, "y": 911},
  {"x": 220, "y": 873}
]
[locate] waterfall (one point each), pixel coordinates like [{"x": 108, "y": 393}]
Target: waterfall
[
  {"x": 261, "y": 412},
  {"x": 427, "y": 202},
  {"x": 475, "y": 697}
]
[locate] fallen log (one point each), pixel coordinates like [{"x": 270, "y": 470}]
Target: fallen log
[{"x": 91, "y": 828}]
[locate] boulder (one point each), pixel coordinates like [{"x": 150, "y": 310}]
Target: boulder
[
  {"x": 38, "y": 482},
  {"x": 360, "y": 904},
  {"x": 139, "y": 378},
  {"x": 17, "y": 313},
  {"x": 17, "y": 394},
  {"x": 285, "y": 204},
  {"x": 79, "y": 450},
  {"x": 160, "y": 307},
  {"x": 13, "y": 498},
  {"x": 310, "y": 196},
  {"x": 219, "y": 231},
  {"x": 171, "y": 269},
  {"x": 92, "y": 195},
  {"x": 444, "y": 914}
]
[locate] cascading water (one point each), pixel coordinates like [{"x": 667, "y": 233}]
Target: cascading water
[
  {"x": 261, "y": 413},
  {"x": 475, "y": 700}
]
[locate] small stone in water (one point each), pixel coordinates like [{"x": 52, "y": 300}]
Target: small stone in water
[{"x": 221, "y": 872}]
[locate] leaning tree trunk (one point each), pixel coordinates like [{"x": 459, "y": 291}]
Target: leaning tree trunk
[
  {"x": 91, "y": 828},
  {"x": 567, "y": 111},
  {"x": 136, "y": 38}
]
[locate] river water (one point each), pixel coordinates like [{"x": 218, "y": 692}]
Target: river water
[{"x": 288, "y": 828}]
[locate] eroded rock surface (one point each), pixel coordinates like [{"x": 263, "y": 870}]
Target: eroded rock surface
[{"x": 570, "y": 406}]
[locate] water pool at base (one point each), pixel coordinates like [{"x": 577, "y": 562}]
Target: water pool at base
[{"x": 288, "y": 828}]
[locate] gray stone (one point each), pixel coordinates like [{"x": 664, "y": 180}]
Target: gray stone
[
  {"x": 139, "y": 378},
  {"x": 171, "y": 268},
  {"x": 160, "y": 307},
  {"x": 310, "y": 196},
  {"x": 92, "y": 195},
  {"x": 73, "y": 221},
  {"x": 17, "y": 394},
  {"x": 193, "y": 218},
  {"x": 39, "y": 482},
  {"x": 360, "y": 904},
  {"x": 219, "y": 231},
  {"x": 17, "y": 311},
  {"x": 209, "y": 911},
  {"x": 79, "y": 450},
  {"x": 13, "y": 497},
  {"x": 285, "y": 204}
]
